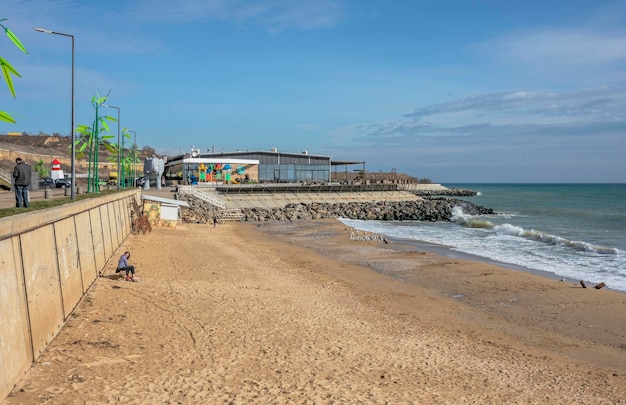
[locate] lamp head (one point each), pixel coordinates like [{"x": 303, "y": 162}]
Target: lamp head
[{"x": 45, "y": 31}]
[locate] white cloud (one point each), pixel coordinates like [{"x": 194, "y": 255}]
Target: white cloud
[
  {"x": 486, "y": 134},
  {"x": 600, "y": 103}
]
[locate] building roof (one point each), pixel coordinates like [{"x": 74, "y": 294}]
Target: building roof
[
  {"x": 345, "y": 162},
  {"x": 167, "y": 201},
  {"x": 198, "y": 160},
  {"x": 230, "y": 157},
  {"x": 206, "y": 155}
]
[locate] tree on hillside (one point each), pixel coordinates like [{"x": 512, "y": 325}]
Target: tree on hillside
[
  {"x": 148, "y": 151},
  {"x": 41, "y": 169},
  {"x": 8, "y": 70}
]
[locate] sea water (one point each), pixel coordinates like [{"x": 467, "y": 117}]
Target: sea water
[{"x": 574, "y": 231}]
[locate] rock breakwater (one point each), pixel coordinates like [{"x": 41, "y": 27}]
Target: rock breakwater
[
  {"x": 426, "y": 209},
  {"x": 449, "y": 192}
]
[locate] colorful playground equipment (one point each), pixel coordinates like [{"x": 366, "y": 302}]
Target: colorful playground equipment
[{"x": 215, "y": 172}]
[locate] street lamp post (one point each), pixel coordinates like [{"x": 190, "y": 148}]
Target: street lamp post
[
  {"x": 72, "y": 136},
  {"x": 123, "y": 173},
  {"x": 134, "y": 158},
  {"x": 119, "y": 150}
]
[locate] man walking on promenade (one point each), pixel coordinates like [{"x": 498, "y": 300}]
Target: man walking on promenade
[{"x": 21, "y": 175}]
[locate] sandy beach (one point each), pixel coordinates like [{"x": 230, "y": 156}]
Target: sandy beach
[{"x": 297, "y": 313}]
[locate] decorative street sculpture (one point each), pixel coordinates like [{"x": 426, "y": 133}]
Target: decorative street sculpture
[
  {"x": 153, "y": 168},
  {"x": 8, "y": 70}
]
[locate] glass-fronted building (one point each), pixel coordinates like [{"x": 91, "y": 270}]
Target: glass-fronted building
[
  {"x": 257, "y": 166},
  {"x": 280, "y": 167}
]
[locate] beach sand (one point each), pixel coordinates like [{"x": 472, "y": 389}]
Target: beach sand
[{"x": 297, "y": 313}]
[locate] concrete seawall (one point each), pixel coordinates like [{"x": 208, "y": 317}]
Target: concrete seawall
[{"x": 48, "y": 261}]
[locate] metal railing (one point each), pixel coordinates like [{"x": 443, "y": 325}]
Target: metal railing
[
  {"x": 231, "y": 215},
  {"x": 204, "y": 196},
  {"x": 421, "y": 187},
  {"x": 6, "y": 176}
]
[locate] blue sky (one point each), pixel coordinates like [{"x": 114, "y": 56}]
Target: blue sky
[{"x": 452, "y": 91}]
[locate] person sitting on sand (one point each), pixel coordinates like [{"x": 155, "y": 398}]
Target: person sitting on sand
[{"x": 123, "y": 265}]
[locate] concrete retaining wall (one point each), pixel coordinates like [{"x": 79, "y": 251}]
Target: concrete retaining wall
[{"x": 48, "y": 261}]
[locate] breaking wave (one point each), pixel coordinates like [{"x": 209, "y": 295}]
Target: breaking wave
[{"x": 470, "y": 221}]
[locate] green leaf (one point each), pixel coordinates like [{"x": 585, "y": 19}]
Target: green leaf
[
  {"x": 7, "y": 76},
  {"x": 4, "y": 116},
  {"x": 15, "y": 40},
  {"x": 6, "y": 63},
  {"x": 83, "y": 147},
  {"x": 108, "y": 117},
  {"x": 105, "y": 126},
  {"x": 83, "y": 130}
]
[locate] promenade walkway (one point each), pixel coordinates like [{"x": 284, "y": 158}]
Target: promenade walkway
[
  {"x": 7, "y": 198},
  {"x": 247, "y": 200}
]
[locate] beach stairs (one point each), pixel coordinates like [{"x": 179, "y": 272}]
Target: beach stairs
[
  {"x": 231, "y": 215},
  {"x": 207, "y": 196},
  {"x": 224, "y": 214},
  {"x": 5, "y": 178}
]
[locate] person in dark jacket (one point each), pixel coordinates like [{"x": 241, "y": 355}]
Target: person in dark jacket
[{"x": 21, "y": 176}]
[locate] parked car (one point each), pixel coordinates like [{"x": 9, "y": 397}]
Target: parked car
[
  {"x": 62, "y": 183},
  {"x": 46, "y": 182},
  {"x": 140, "y": 181}
]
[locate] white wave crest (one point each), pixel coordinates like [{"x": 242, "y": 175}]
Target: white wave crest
[
  {"x": 469, "y": 221},
  {"x": 580, "y": 246}
]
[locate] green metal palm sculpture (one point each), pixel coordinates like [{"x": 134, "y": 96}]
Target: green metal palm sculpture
[
  {"x": 8, "y": 70},
  {"x": 125, "y": 161},
  {"x": 92, "y": 140}
]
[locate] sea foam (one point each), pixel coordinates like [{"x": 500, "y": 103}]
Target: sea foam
[{"x": 470, "y": 221}]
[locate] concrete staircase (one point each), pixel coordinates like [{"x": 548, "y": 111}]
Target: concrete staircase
[
  {"x": 207, "y": 196},
  {"x": 5, "y": 178},
  {"x": 231, "y": 215},
  {"x": 225, "y": 214}
]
